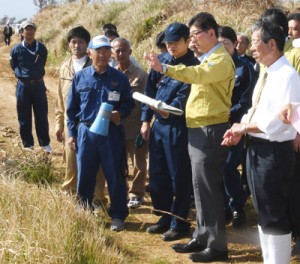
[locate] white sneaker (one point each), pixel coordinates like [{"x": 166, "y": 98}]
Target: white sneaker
[
  {"x": 47, "y": 149},
  {"x": 117, "y": 225},
  {"x": 135, "y": 202},
  {"x": 30, "y": 149}
]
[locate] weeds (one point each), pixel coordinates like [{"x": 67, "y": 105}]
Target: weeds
[
  {"x": 32, "y": 166},
  {"x": 140, "y": 21},
  {"x": 41, "y": 224}
]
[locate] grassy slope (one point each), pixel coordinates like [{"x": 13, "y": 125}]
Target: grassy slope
[{"x": 137, "y": 20}]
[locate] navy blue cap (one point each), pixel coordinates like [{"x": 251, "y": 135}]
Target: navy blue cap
[{"x": 175, "y": 31}]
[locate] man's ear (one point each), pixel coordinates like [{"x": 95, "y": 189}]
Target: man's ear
[
  {"x": 89, "y": 53},
  {"x": 130, "y": 51},
  {"x": 272, "y": 43},
  {"x": 211, "y": 32}
]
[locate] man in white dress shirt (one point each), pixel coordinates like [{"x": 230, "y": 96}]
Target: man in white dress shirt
[{"x": 270, "y": 157}]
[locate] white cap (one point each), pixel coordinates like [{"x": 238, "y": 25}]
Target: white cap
[
  {"x": 296, "y": 43},
  {"x": 27, "y": 23},
  {"x": 98, "y": 42}
]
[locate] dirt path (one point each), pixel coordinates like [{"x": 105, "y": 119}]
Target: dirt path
[{"x": 148, "y": 248}]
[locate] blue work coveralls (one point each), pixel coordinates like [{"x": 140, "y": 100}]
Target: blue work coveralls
[
  {"x": 28, "y": 63},
  {"x": 241, "y": 101},
  {"x": 170, "y": 179},
  {"x": 88, "y": 91}
]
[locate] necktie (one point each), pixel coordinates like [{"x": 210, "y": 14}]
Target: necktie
[{"x": 255, "y": 103}]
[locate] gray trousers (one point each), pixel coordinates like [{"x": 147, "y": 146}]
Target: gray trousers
[{"x": 208, "y": 158}]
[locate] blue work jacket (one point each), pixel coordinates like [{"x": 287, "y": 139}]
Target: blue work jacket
[
  {"x": 89, "y": 89},
  {"x": 244, "y": 83},
  {"x": 168, "y": 90},
  {"x": 28, "y": 62}
]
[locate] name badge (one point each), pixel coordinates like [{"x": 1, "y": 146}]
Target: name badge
[{"x": 114, "y": 96}]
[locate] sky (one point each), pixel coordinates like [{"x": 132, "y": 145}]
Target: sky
[{"x": 17, "y": 8}]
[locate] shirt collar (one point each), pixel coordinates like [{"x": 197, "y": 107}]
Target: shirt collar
[
  {"x": 129, "y": 69},
  {"x": 95, "y": 73},
  {"x": 277, "y": 64},
  {"x": 32, "y": 46},
  {"x": 206, "y": 55}
]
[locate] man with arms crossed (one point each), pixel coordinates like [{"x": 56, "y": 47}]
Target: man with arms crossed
[
  {"x": 132, "y": 124},
  {"x": 28, "y": 59}
]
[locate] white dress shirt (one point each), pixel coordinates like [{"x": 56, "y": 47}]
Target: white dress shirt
[{"x": 282, "y": 87}]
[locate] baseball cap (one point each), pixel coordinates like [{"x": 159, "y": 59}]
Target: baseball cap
[
  {"x": 98, "y": 42},
  {"x": 175, "y": 31},
  {"x": 25, "y": 24},
  {"x": 296, "y": 43}
]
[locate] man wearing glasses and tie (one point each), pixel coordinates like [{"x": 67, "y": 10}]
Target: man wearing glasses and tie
[
  {"x": 207, "y": 113},
  {"x": 270, "y": 157}
]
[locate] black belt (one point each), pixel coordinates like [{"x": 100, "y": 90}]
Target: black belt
[
  {"x": 258, "y": 140},
  {"x": 31, "y": 81},
  {"x": 265, "y": 141}
]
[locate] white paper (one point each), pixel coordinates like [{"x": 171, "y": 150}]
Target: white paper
[{"x": 156, "y": 104}]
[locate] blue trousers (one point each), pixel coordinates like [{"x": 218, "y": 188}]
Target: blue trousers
[
  {"x": 32, "y": 97},
  {"x": 170, "y": 179},
  {"x": 108, "y": 151},
  {"x": 235, "y": 194}
]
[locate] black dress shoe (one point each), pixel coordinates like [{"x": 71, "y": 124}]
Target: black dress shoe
[
  {"x": 172, "y": 235},
  {"x": 239, "y": 218},
  {"x": 209, "y": 255},
  {"x": 228, "y": 217},
  {"x": 192, "y": 246},
  {"x": 157, "y": 229}
]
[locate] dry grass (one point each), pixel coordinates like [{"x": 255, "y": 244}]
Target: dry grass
[
  {"x": 140, "y": 21},
  {"x": 41, "y": 224}
]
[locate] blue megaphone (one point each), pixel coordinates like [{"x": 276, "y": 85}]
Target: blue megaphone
[{"x": 101, "y": 123}]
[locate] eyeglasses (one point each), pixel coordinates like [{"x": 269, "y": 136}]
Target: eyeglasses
[{"x": 197, "y": 33}]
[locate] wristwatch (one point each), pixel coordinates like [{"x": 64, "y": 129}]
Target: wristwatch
[{"x": 164, "y": 68}]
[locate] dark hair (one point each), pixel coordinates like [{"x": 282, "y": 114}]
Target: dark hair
[
  {"x": 109, "y": 26},
  {"x": 294, "y": 16},
  {"x": 159, "y": 40},
  {"x": 79, "y": 32},
  {"x": 270, "y": 31},
  {"x": 111, "y": 33},
  {"x": 205, "y": 21},
  {"x": 227, "y": 32},
  {"x": 276, "y": 15}
]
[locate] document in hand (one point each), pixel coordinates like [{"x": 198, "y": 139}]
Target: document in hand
[
  {"x": 156, "y": 104},
  {"x": 295, "y": 117}
]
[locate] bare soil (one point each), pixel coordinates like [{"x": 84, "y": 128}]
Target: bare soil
[{"x": 146, "y": 248}]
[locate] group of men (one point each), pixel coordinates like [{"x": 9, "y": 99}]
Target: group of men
[{"x": 187, "y": 154}]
